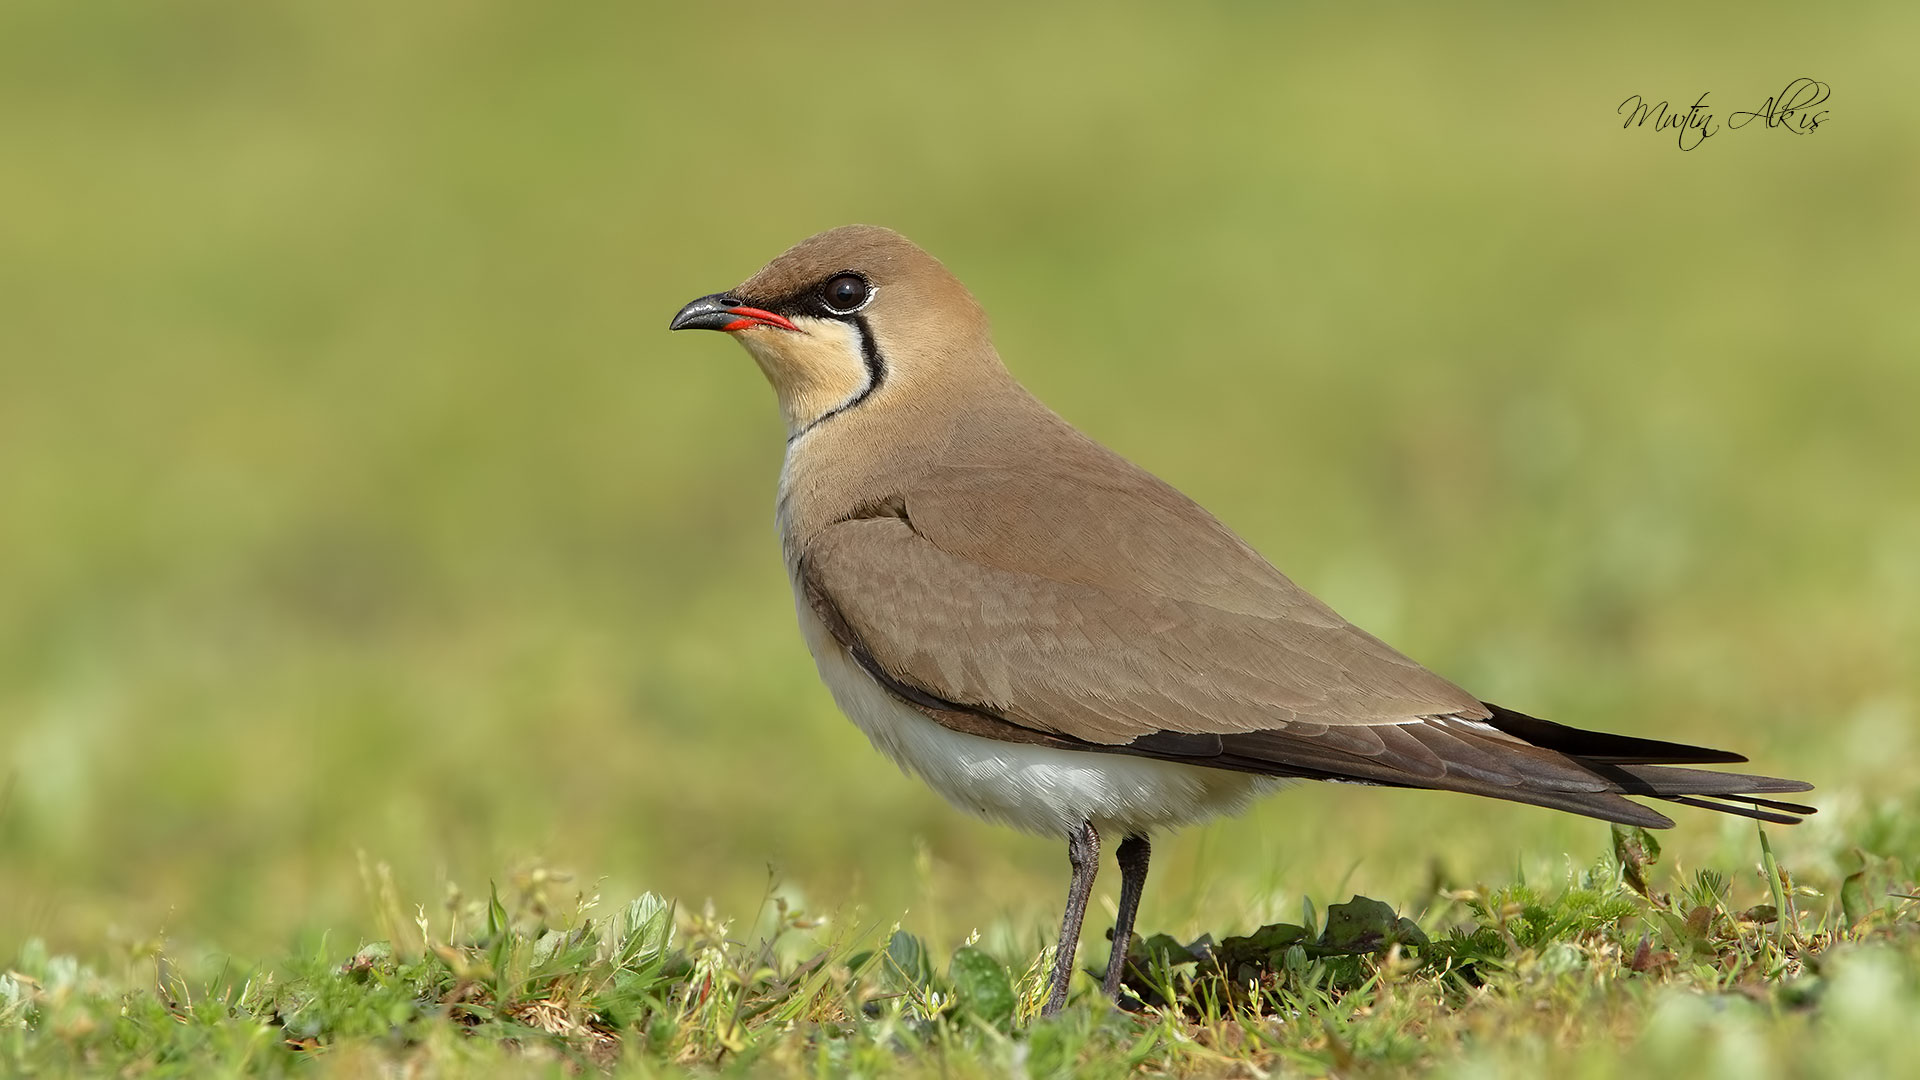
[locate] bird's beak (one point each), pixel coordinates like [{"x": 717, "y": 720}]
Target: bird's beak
[{"x": 726, "y": 314}]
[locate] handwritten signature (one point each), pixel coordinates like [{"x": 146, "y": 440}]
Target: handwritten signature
[{"x": 1794, "y": 109}]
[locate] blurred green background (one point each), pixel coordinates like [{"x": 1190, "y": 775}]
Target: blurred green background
[{"x": 353, "y": 496}]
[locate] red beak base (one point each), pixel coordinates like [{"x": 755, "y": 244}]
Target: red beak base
[{"x": 752, "y": 316}]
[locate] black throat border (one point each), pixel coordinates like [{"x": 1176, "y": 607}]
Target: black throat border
[{"x": 876, "y": 365}]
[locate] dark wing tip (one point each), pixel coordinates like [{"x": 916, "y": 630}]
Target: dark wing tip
[{"x": 1601, "y": 746}]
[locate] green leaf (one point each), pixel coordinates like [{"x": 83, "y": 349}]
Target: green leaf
[
  {"x": 1855, "y": 903},
  {"x": 640, "y": 933},
  {"x": 1772, "y": 869},
  {"x": 1296, "y": 964},
  {"x": 982, "y": 986},
  {"x": 1635, "y": 849},
  {"x": 547, "y": 946},
  {"x": 1649, "y": 843},
  {"x": 496, "y": 911},
  {"x": 499, "y": 930},
  {"x": 1276, "y": 937},
  {"x": 635, "y": 946},
  {"x": 907, "y": 959},
  {"x": 1365, "y": 924},
  {"x": 1163, "y": 949}
]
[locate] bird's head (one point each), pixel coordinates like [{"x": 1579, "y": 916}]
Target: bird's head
[{"x": 847, "y": 316}]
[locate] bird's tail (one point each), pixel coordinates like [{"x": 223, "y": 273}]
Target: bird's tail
[{"x": 1646, "y": 767}]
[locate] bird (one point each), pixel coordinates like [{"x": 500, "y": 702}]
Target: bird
[{"x": 1055, "y": 639}]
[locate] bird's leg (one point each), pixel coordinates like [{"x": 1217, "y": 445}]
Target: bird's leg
[
  {"x": 1132, "y": 857},
  {"x": 1083, "y": 852}
]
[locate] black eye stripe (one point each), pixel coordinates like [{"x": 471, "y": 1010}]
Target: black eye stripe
[{"x": 813, "y": 299}]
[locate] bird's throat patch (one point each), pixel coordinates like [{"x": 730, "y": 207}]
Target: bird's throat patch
[{"x": 827, "y": 368}]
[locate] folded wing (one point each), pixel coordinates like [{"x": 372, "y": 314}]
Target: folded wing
[{"x": 1277, "y": 686}]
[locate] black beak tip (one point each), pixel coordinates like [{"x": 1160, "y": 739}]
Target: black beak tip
[{"x": 706, "y": 313}]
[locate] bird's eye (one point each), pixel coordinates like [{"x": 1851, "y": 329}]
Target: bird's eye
[{"x": 844, "y": 292}]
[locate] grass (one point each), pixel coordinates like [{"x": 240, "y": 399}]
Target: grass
[
  {"x": 353, "y": 499},
  {"x": 1622, "y": 964}
]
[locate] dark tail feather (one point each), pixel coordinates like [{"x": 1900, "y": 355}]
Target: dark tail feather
[
  {"x": 1642, "y": 767},
  {"x": 1742, "y": 811},
  {"x": 1772, "y": 804},
  {"x": 1521, "y": 759},
  {"x": 1730, "y": 796},
  {"x": 1601, "y": 747},
  {"x": 1712, "y": 791},
  {"x": 1615, "y": 807},
  {"x": 1662, "y": 780}
]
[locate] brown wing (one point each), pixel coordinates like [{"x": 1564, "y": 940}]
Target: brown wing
[
  {"x": 1101, "y": 664},
  {"x": 1277, "y": 685}
]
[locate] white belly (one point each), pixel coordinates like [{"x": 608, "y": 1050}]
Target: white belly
[{"x": 1039, "y": 789}]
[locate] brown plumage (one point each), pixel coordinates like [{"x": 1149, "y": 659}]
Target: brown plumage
[{"x": 1054, "y": 637}]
